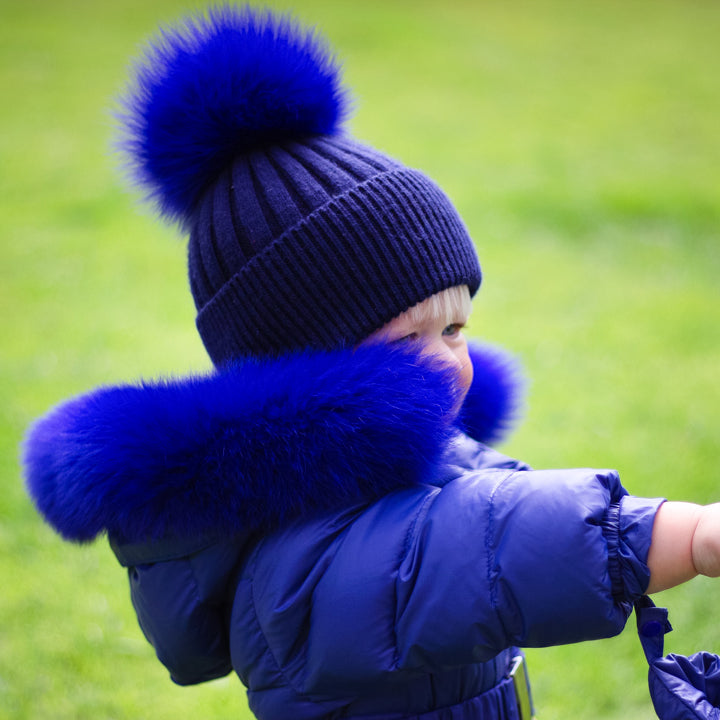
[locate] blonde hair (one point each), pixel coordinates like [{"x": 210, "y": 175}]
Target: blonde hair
[{"x": 453, "y": 303}]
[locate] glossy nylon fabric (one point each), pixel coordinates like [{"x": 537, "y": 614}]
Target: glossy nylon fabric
[
  {"x": 682, "y": 688},
  {"x": 408, "y": 607},
  {"x": 318, "y": 527}
]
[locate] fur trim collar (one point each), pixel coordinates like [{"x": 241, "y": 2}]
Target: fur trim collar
[{"x": 257, "y": 444}]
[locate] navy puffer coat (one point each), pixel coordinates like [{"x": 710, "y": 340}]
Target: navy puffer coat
[{"x": 319, "y": 526}]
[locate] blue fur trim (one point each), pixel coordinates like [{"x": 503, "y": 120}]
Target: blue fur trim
[
  {"x": 494, "y": 402},
  {"x": 218, "y": 86},
  {"x": 249, "y": 447}
]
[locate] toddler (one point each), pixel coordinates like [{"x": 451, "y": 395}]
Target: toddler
[{"x": 322, "y": 514}]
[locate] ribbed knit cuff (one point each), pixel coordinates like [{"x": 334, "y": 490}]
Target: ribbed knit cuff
[{"x": 343, "y": 271}]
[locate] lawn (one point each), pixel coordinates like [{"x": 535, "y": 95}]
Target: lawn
[{"x": 580, "y": 142}]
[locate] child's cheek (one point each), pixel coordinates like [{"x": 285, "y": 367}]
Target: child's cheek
[
  {"x": 467, "y": 374},
  {"x": 465, "y": 371}
]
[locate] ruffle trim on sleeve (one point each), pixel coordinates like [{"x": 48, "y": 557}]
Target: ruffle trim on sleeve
[{"x": 627, "y": 527}]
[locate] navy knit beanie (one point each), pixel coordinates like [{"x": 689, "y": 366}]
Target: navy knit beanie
[{"x": 300, "y": 237}]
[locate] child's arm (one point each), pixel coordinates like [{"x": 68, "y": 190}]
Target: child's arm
[{"x": 685, "y": 543}]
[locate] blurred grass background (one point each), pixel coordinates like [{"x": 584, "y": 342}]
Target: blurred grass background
[{"x": 580, "y": 142}]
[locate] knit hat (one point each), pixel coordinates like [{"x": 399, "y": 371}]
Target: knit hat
[{"x": 300, "y": 236}]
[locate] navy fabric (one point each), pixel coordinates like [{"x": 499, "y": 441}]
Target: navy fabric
[
  {"x": 393, "y": 597},
  {"x": 300, "y": 236},
  {"x": 682, "y": 688},
  {"x": 412, "y": 603},
  {"x": 341, "y": 272}
]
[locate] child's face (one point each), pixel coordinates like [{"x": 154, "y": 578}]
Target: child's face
[{"x": 440, "y": 334}]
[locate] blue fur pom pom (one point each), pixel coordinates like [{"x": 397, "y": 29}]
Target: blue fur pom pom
[{"x": 219, "y": 86}]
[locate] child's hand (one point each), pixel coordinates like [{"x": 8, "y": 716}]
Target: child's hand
[
  {"x": 706, "y": 541},
  {"x": 685, "y": 542}
]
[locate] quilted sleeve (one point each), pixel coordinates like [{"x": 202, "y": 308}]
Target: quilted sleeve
[
  {"x": 181, "y": 608},
  {"x": 524, "y": 558},
  {"x": 433, "y": 578}
]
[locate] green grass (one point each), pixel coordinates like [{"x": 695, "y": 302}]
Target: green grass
[{"x": 580, "y": 142}]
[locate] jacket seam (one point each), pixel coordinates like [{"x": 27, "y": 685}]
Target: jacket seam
[
  {"x": 252, "y": 563},
  {"x": 287, "y": 680},
  {"x": 491, "y": 575},
  {"x": 422, "y": 511},
  {"x": 197, "y": 601}
]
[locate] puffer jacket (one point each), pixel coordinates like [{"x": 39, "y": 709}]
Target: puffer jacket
[{"x": 323, "y": 525}]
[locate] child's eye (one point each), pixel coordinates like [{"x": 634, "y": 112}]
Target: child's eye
[
  {"x": 406, "y": 338},
  {"x": 452, "y": 330}
]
